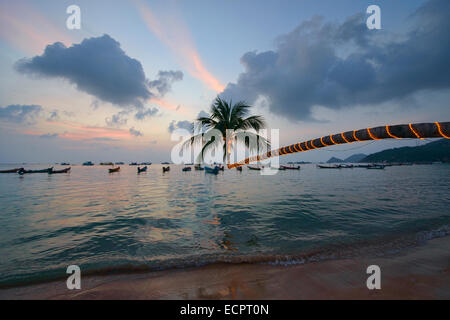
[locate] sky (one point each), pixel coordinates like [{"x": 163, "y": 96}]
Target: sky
[{"x": 115, "y": 89}]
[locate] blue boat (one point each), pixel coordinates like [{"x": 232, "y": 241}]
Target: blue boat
[
  {"x": 214, "y": 170},
  {"x": 186, "y": 169}
]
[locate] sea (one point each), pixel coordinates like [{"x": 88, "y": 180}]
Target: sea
[{"x": 128, "y": 222}]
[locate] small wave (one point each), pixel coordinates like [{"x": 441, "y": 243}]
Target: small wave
[{"x": 378, "y": 247}]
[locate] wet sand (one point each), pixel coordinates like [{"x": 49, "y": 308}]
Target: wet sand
[{"x": 421, "y": 272}]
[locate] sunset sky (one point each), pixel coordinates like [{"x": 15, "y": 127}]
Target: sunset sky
[{"x": 114, "y": 90}]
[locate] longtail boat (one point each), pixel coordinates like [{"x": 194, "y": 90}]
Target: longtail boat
[
  {"x": 23, "y": 171},
  {"x": 165, "y": 169},
  {"x": 143, "y": 169},
  {"x": 290, "y": 167},
  {"x": 186, "y": 169},
  {"x": 376, "y": 167},
  {"x": 114, "y": 170},
  {"x": 253, "y": 168},
  {"x": 214, "y": 170},
  {"x": 66, "y": 170},
  {"x": 11, "y": 170},
  {"x": 328, "y": 167}
]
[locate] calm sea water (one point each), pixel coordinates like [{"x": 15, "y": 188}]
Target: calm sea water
[{"x": 125, "y": 221}]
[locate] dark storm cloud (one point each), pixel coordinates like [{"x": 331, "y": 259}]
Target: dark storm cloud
[
  {"x": 99, "y": 67},
  {"x": 163, "y": 84},
  {"x": 20, "y": 113},
  {"x": 343, "y": 65}
]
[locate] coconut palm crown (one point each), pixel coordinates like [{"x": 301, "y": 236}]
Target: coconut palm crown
[{"x": 228, "y": 116}]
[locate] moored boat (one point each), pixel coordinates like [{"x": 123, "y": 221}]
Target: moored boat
[
  {"x": 143, "y": 169},
  {"x": 66, "y": 170},
  {"x": 23, "y": 171},
  {"x": 328, "y": 167},
  {"x": 165, "y": 169},
  {"x": 377, "y": 166},
  {"x": 186, "y": 169},
  {"x": 214, "y": 170},
  {"x": 88, "y": 163},
  {"x": 239, "y": 169},
  {"x": 114, "y": 170},
  {"x": 11, "y": 170},
  {"x": 198, "y": 167},
  {"x": 290, "y": 167},
  {"x": 133, "y": 164},
  {"x": 254, "y": 168}
]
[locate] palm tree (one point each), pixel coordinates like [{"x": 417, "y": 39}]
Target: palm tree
[{"x": 227, "y": 116}]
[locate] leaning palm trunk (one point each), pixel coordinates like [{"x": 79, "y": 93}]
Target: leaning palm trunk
[{"x": 402, "y": 131}]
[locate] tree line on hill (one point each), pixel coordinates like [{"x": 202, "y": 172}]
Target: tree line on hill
[{"x": 436, "y": 151}]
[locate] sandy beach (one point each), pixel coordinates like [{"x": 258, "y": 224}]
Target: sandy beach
[{"x": 421, "y": 272}]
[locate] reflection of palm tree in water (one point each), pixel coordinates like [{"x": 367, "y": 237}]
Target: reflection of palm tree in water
[{"x": 227, "y": 243}]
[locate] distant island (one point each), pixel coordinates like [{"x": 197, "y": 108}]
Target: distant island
[
  {"x": 299, "y": 162},
  {"x": 352, "y": 159},
  {"x": 436, "y": 151}
]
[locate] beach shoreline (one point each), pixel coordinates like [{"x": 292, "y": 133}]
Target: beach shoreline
[{"x": 420, "y": 272}]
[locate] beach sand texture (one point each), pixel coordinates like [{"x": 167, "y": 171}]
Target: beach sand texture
[{"x": 421, "y": 272}]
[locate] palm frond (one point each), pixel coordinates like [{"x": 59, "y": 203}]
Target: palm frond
[
  {"x": 253, "y": 141},
  {"x": 253, "y": 122},
  {"x": 205, "y": 148},
  {"x": 226, "y": 115}
]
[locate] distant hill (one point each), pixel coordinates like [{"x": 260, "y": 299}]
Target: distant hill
[
  {"x": 335, "y": 160},
  {"x": 433, "y": 151},
  {"x": 355, "y": 158}
]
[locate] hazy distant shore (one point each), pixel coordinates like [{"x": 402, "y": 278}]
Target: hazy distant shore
[{"x": 421, "y": 272}]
